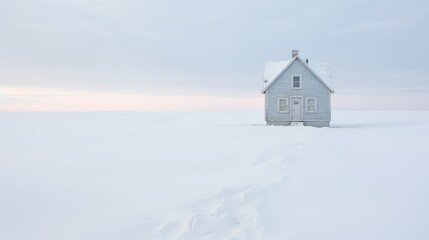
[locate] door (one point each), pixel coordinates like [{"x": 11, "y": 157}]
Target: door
[{"x": 296, "y": 109}]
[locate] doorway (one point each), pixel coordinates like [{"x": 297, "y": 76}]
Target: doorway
[{"x": 296, "y": 111}]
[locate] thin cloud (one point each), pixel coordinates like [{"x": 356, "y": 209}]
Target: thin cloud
[
  {"x": 207, "y": 48},
  {"x": 370, "y": 26}
]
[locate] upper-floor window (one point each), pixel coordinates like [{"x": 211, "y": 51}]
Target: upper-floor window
[{"x": 296, "y": 82}]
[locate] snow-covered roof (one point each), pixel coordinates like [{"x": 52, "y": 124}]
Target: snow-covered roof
[
  {"x": 323, "y": 71},
  {"x": 274, "y": 69}
]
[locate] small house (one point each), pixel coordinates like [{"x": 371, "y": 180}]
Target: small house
[{"x": 297, "y": 92}]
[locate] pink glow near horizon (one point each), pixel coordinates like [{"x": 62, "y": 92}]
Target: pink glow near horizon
[
  {"x": 17, "y": 99},
  {"x": 47, "y": 99}
]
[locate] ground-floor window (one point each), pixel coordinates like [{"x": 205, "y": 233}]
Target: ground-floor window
[
  {"x": 311, "y": 105},
  {"x": 282, "y": 104}
]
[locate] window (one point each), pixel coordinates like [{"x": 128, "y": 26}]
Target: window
[
  {"x": 311, "y": 105},
  {"x": 296, "y": 82},
  {"x": 282, "y": 105}
]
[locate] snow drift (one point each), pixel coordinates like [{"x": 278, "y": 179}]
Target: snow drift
[{"x": 217, "y": 176}]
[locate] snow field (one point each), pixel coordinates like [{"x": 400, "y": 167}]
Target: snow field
[{"x": 196, "y": 175}]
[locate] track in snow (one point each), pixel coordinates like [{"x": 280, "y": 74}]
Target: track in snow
[{"x": 231, "y": 213}]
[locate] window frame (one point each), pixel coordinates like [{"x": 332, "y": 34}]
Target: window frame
[
  {"x": 300, "y": 81},
  {"x": 278, "y": 104},
  {"x": 315, "y": 105}
]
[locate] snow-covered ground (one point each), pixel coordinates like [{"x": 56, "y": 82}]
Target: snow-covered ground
[{"x": 196, "y": 175}]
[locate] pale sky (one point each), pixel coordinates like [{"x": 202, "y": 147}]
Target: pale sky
[{"x": 90, "y": 55}]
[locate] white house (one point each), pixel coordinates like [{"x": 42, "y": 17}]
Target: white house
[{"x": 297, "y": 91}]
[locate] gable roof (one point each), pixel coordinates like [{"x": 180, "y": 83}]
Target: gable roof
[{"x": 273, "y": 70}]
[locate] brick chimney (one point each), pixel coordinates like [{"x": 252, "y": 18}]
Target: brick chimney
[{"x": 294, "y": 53}]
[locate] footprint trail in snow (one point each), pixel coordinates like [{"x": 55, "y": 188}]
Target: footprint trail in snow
[{"x": 230, "y": 214}]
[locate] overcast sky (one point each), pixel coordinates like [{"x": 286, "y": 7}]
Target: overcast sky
[{"x": 71, "y": 54}]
